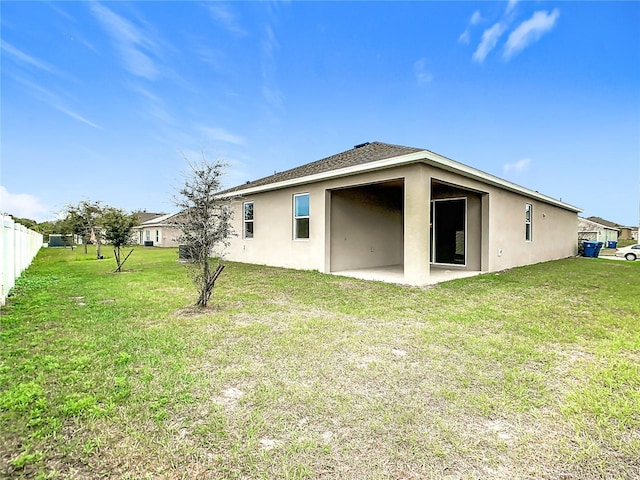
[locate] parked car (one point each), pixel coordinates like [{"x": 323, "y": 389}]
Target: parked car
[{"x": 632, "y": 252}]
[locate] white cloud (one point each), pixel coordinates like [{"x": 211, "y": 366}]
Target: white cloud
[
  {"x": 24, "y": 205},
  {"x": 221, "y": 135},
  {"x": 21, "y": 57},
  {"x": 517, "y": 167},
  {"x": 130, "y": 42},
  {"x": 490, "y": 38},
  {"x": 52, "y": 99},
  {"x": 530, "y": 31},
  {"x": 465, "y": 36},
  {"x": 475, "y": 18},
  {"x": 271, "y": 93},
  {"x": 511, "y": 5},
  {"x": 423, "y": 76},
  {"x": 225, "y": 17}
]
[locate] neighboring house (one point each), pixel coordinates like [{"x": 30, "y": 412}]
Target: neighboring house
[
  {"x": 628, "y": 233},
  {"x": 596, "y": 232},
  {"x": 624, "y": 232},
  {"x": 158, "y": 232},
  {"x": 382, "y": 206},
  {"x": 144, "y": 216}
]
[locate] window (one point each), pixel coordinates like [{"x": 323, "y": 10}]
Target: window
[
  {"x": 147, "y": 234},
  {"x": 301, "y": 216},
  {"x": 528, "y": 216},
  {"x": 247, "y": 230},
  {"x": 157, "y": 236}
]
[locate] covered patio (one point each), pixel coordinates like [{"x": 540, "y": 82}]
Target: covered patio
[{"x": 395, "y": 274}]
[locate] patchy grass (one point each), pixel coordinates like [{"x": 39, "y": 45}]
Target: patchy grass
[{"x": 530, "y": 373}]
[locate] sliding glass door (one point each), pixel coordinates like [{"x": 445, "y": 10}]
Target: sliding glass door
[{"x": 448, "y": 231}]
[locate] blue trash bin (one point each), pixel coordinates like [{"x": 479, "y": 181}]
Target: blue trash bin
[
  {"x": 590, "y": 248},
  {"x": 611, "y": 244},
  {"x": 598, "y": 247}
]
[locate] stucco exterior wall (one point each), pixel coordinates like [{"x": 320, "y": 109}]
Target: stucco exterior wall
[
  {"x": 554, "y": 232},
  {"x": 554, "y": 229},
  {"x": 366, "y": 227},
  {"x": 166, "y": 236},
  {"x": 273, "y": 243},
  {"x": 473, "y": 222},
  {"x": 495, "y": 225}
]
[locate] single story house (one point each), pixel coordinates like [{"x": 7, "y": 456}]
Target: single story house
[
  {"x": 628, "y": 233},
  {"x": 388, "y": 207},
  {"x": 158, "y": 232},
  {"x": 625, "y": 232},
  {"x": 593, "y": 231}
]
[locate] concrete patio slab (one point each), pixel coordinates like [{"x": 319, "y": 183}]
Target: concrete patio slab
[{"x": 395, "y": 274}]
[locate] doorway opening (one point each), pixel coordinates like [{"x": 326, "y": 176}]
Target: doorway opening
[{"x": 449, "y": 231}]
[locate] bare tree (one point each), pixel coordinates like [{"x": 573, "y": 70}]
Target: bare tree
[{"x": 205, "y": 221}]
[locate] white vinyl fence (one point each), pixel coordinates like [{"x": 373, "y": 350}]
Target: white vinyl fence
[{"x": 18, "y": 246}]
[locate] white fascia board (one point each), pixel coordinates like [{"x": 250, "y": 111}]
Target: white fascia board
[{"x": 423, "y": 156}]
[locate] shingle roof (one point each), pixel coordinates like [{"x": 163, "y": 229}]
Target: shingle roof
[
  {"x": 604, "y": 222},
  {"x": 144, "y": 216},
  {"x": 364, "y": 153}
]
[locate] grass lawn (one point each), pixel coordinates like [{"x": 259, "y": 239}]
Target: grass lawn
[{"x": 527, "y": 374}]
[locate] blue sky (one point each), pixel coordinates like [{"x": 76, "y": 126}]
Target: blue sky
[{"x": 103, "y": 100}]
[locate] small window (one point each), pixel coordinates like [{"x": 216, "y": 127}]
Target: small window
[
  {"x": 157, "y": 236},
  {"x": 301, "y": 216},
  {"x": 147, "y": 234},
  {"x": 528, "y": 216},
  {"x": 248, "y": 220}
]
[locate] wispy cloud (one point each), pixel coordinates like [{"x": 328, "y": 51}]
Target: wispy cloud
[
  {"x": 133, "y": 45},
  {"x": 511, "y": 4},
  {"x": 489, "y": 40},
  {"x": 22, "y": 58},
  {"x": 517, "y": 167},
  {"x": 221, "y": 135},
  {"x": 270, "y": 91},
  {"x": 225, "y": 17},
  {"x": 24, "y": 205},
  {"x": 423, "y": 76},
  {"x": 52, "y": 99},
  {"x": 529, "y": 32},
  {"x": 465, "y": 36}
]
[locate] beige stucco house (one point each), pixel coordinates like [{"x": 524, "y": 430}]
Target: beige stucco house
[
  {"x": 387, "y": 207},
  {"x": 597, "y": 232},
  {"x": 158, "y": 232}
]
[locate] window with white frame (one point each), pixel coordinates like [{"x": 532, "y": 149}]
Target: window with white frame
[
  {"x": 301, "y": 216},
  {"x": 247, "y": 229},
  {"x": 147, "y": 234},
  {"x": 157, "y": 236},
  {"x": 528, "y": 219}
]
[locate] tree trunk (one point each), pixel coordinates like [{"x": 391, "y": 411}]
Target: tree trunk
[{"x": 208, "y": 283}]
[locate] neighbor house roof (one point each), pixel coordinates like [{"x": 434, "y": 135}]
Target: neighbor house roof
[
  {"x": 161, "y": 220},
  {"x": 589, "y": 222},
  {"x": 373, "y": 156},
  {"x": 144, "y": 216},
  {"x": 604, "y": 222}
]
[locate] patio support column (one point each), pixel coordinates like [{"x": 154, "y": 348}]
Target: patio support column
[{"x": 417, "y": 200}]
